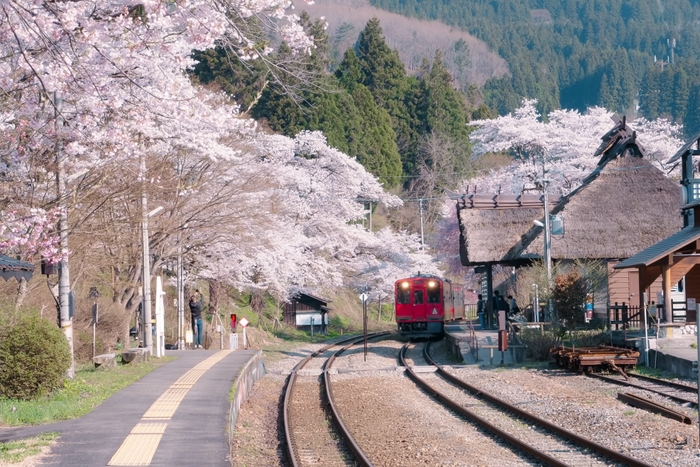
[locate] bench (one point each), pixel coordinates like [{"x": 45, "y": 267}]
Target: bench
[
  {"x": 104, "y": 361},
  {"x": 138, "y": 355}
]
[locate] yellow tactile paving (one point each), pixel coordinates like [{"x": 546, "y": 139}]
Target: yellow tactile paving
[
  {"x": 189, "y": 378},
  {"x": 167, "y": 403},
  {"x": 149, "y": 428},
  {"x": 140, "y": 446}
]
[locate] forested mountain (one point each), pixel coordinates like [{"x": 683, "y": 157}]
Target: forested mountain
[{"x": 579, "y": 53}]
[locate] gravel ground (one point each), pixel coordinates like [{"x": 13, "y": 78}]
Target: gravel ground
[{"x": 399, "y": 426}]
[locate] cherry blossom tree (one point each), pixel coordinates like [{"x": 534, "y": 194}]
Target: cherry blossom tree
[
  {"x": 117, "y": 68},
  {"x": 101, "y": 90},
  {"x": 564, "y": 146}
]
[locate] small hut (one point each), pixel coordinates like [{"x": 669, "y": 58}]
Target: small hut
[
  {"x": 307, "y": 312},
  {"x": 10, "y": 267}
]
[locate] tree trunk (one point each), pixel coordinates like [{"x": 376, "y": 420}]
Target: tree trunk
[
  {"x": 216, "y": 289},
  {"x": 257, "y": 304},
  {"x": 21, "y": 293}
]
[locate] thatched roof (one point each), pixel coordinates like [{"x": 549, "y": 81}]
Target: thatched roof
[{"x": 621, "y": 208}]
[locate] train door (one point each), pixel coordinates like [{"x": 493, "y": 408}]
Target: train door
[
  {"x": 435, "y": 291},
  {"x": 418, "y": 300},
  {"x": 448, "y": 300}
]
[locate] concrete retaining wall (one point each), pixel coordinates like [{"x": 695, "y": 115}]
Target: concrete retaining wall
[
  {"x": 671, "y": 363},
  {"x": 251, "y": 372}
]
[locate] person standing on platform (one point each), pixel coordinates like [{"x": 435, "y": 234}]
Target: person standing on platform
[
  {"x": 498, "y": 304},
  {"x": 481, "y": 311},
  {"x": 196, "y": 303},
  {"x": 513, "y": 308}
]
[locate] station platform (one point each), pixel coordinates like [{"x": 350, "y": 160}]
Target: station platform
[
  {"x": 179, "y": 414},
  {"x": 674, "y": 356},
  {"x": 481, "y": 347}
]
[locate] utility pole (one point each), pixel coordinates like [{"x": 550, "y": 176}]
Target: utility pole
[
  {"x": 422, "y": 240},
  {"x": 63, "y": 269},
  {"x": 661, "y": 62},
  {"x": 180, "y": 300},
  {"x": 547, "y": 241},
  {"x": 146, "y": 271},
  {"x": 672, "y": 45}
]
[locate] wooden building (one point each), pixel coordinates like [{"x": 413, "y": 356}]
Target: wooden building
[
  {"x": 307, "y": 312},
  {"x": 625, "y": 205},
  {"x": 678, "y": 254}
]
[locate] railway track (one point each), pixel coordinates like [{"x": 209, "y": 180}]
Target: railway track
[
  {"x": 546, "y": 442},
  {"x": 314, "y": 432},
  {"x": 683, "y": 394}
]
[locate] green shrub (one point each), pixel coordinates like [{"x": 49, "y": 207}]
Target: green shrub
[
  {"x": 540, "y": 343},
  {"x": 34, "y": 358},
  {"x": 587, "y": 338},
  {"x": 338, "y": 322}
]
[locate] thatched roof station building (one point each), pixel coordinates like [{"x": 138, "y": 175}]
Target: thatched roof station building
[{"x": 625, "y": 205}]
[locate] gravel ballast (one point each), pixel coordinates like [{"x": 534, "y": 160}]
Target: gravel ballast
[{"x": 398, "y": 425}]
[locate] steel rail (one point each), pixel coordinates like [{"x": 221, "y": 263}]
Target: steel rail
[
  {"x": 289, "y": 389},
  {"x": 548, "y": 460},
  {"x": 663, "y": 382},
  {"x": 360, "y": 456},
  {"x": 647, "y": 404},
  {"x": 680, "y": 400},
  {"x": 576, "y": 439}
]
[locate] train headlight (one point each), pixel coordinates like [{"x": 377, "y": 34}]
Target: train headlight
[
  {"x": 404, "y": 285},
  {"x": 431, "y": 284}
]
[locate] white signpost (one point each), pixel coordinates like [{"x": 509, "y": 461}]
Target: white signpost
[
  {"x": 363, "y": 298},
  {"x": 244, "y": 323}
]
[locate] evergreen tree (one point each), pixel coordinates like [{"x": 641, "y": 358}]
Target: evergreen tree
[
  {"x": 681, "y": 94},
  {"x": 385, "y": 77},
  {"x": 692, "y": 119},
  {"x": 370, "y": 137}
]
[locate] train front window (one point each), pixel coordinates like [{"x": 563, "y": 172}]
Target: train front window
[
  {"x": 403, "y": 293},
  {"x": 433, "y": 292},
  {"x": 417, "y": 297}
]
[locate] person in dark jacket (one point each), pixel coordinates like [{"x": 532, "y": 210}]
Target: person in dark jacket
[
  {"x": 196, "y": 303},
  {"x": 498, "y": 304}
]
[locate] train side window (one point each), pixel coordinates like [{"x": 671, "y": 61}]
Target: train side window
[
  {"x": 417, "y": 297},
  {"x": 434, "y": 295},
  {"x": 403, "y": 295}
]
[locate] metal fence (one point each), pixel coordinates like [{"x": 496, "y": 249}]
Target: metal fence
[
  {"x": 470, "y": 311},
  {"x": 623, "y": 316}
]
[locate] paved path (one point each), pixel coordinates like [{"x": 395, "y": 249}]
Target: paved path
[{"x": 175, "y": 416}]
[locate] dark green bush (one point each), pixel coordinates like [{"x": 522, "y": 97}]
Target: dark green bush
[
  {"x": 34, "y": 358},
  {"x": 539, "y": 343}
]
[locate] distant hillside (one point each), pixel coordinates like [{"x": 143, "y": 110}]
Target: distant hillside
[
  {"x": 637, "y": 57},
  {"x": 469, "y": 60}
]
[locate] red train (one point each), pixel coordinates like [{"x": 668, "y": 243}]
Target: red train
[{"x": 424, "y": 303}]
